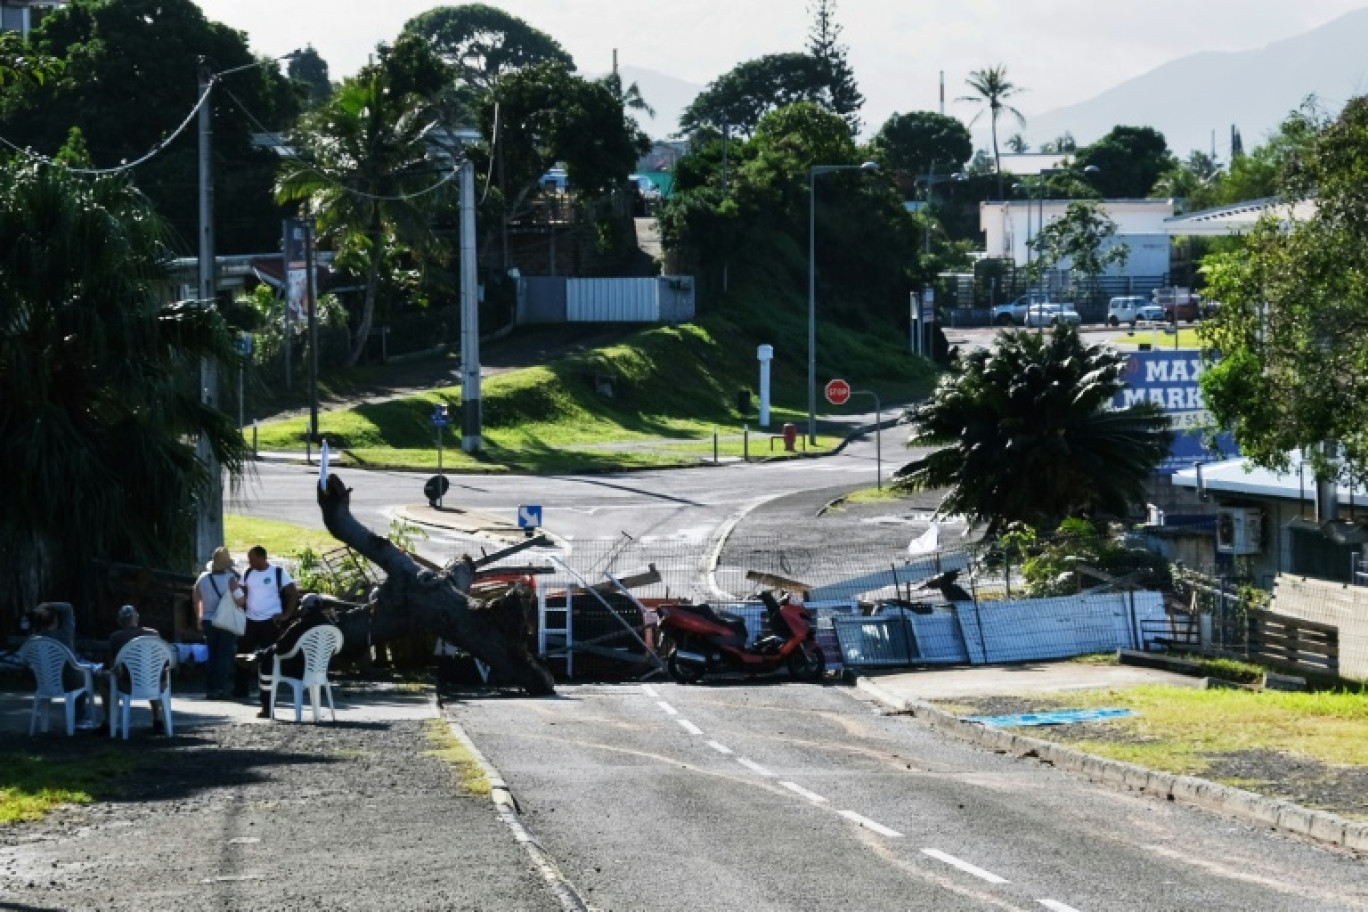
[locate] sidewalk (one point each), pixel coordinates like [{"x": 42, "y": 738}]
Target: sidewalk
[{"x": 240, "y": 813}]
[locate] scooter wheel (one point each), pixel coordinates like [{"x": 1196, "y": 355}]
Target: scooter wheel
[
  {"x": 684, "y": 672},
  {"x": 807, "y": 663}
]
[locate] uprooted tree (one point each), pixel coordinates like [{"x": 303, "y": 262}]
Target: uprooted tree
[{"x": 414, "y": 598}]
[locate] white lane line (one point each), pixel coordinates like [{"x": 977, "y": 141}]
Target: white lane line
[
  {"x": 810, "y": 796},
  {"x": 720, "y": 748},
  {"x": 689, "y": 727},
  {"x": 650, "y": 691},
  {"x": 871, "y": 825},
  {"x": 754, "y": 767},
  {"x": 1054, "y": 906},
  {"x": 965, "y": 866},
  {"x": 667, "y": 707}
]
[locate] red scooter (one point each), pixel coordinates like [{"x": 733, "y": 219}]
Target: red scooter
[{"x": 697, "y": 640}]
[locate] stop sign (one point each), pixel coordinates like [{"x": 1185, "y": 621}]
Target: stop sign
[{"x": 838, "y": 392}]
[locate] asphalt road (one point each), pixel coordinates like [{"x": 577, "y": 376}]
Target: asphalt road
[{"x": 768, "y": 795}]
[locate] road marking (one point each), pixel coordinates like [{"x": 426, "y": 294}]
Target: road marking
[
  {"x": 871, "y": 825},
  {"x": 754, "y": 767},
  {"x": 720, "y": 748},
  {"x": 650, "y": 691},
  {"x": 667, "y": 707},
  {"x": 965, "y": 866},
  {"x": 689, "y": 727},
  {"x": 810, "y": 796},
  {"x": 1056, "y": 906}
]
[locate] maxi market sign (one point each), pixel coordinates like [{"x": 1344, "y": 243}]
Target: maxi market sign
[{"x": 1169, "y": 379}]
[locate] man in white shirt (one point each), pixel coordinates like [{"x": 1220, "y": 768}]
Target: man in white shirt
[{"x": 272, "y": 599}]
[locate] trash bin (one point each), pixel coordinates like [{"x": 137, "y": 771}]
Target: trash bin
[
  {"x": 790, "y": 436},
  {"x": 743, "y": 402}
]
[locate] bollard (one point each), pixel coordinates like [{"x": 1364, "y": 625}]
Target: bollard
[
  {"x": 790, "y": 436},
  {"x": 745, "y": 443},
  {"x": 716, "y": 461},
  {"x": 254, "y": 439}
]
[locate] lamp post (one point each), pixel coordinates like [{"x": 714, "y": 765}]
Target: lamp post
[
  {"x": 209, "y": 523},
  {"x": 813, "y": 174}
]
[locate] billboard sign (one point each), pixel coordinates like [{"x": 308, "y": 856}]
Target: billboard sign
[{"x": 1170, "y": 380}]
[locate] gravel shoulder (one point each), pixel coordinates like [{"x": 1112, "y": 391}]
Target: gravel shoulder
[{"x": 266, "y": 816}]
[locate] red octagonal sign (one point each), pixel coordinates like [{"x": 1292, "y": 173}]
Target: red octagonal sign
[{"x": 838, "y": 392}]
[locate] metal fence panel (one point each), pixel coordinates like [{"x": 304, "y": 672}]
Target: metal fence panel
[
  {"x": 875, "y": 640},
  {"x": 612, "y": 301}
]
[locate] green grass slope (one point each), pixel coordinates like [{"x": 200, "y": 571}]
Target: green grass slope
[{"x": 671, "y": 387}]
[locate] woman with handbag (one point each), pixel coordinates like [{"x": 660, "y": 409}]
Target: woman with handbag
[{"x": 219, "y": 599}]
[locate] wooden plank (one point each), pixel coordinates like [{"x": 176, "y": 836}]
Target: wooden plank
[
  {"x": 647, "y": 577},
  {"x": 781, "y": 582}
]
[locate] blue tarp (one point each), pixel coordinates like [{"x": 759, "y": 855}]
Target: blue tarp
[{"x": 1062, "y": 717}]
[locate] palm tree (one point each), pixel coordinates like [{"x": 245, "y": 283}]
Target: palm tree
[
  {"x": 365, "y": 172},
  {"x": 992, "y": 88},
  {"x": 100, "y": 406},
  {"x": 1026, "y": 433}
]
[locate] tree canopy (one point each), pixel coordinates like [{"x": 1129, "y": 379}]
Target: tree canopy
[
  {"x": 738, "y": 99},
  {"x": 1292, "y": 326},
  {"x": 482, "y": 44},
  {"x": 1024, "y": 433},
  {"x": 840, "y": 93},
  {"x": 99, "y": 395},
  {"x": 922, "y": 142},
  {"x": 311, "y": 71},
  {"x": 1129, "y": 161},
  {"x": 1080, "y": 236},
  {"x": 128, "y": 81}
]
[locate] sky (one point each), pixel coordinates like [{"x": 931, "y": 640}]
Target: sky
[{"x": 1059, "y": 51}]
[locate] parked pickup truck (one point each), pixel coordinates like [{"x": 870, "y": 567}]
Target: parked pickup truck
[{"x": 1014, "y": 313}]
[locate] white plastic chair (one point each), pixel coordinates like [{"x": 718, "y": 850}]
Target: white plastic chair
[
  {"x": 48, "y": 658},
  {"x": 148, "y": 660},
  {"x": 318, "y": 645}
]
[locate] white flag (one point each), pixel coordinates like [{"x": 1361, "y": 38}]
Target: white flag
[
  {"x": 323, "y": 466},
  {"x": 926, "y": 543}
]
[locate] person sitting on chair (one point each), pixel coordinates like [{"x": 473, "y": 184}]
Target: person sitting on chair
[
  {"x": 57, "y": 621},
  {"x": 312, "y": 613},
  {"x": 128, "y": 631}
]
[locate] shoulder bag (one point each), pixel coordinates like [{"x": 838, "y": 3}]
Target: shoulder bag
[{"x": 228, "y": 616}]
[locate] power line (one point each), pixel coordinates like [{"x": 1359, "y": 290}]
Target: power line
[{"x": 156, "y": 150}]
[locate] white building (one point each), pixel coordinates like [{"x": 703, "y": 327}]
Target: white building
[
  {"x": 22, "y": 15},
  {"x": 1140, "y": 224}
]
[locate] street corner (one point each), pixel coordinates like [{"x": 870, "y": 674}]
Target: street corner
[{"x": 456, "y": 519}]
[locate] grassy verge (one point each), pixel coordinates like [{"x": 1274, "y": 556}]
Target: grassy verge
[
  {"x": 36, "y": 779},
  {"x": 241, "y": 532},
  {"x": 468, "y": 775},
  {"x": 1183, "y": 730},
  {"x": 657, "y": 398},
  {"x": 1160, "y": 338}
]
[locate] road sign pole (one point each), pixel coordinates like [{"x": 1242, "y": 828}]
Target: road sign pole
[{"x": 440, "y": 486}]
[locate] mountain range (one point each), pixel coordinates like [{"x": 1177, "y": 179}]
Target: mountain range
[{"x": 1193, "y": 100}]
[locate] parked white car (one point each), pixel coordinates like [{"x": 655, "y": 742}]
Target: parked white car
[
  {"x": 1040, "y": 315},
  {"x": 1133, "y": 309}
]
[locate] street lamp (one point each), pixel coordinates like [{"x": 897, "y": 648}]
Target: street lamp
[
  {"x": 209, "y": 524},
  {"x": 929, "y": 181},
  {"x": 813, "y": 174}
]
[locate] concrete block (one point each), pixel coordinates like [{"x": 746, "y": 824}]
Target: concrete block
[
  {"x": 1356, "y": 836},
  {"x": 1274, "y": 681},
  {"x": 1328, "y": 827}
]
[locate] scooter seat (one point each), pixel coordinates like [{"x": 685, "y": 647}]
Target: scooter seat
[{"x": 735, "y": 622}]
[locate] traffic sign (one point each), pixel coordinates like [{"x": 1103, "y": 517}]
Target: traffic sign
[
  {"x": 529, "y": 516},
  {"x": 838, "y": 392},
  {"x": 439, "y": 416}
]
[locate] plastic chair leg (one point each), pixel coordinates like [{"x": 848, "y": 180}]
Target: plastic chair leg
[
  {"x": 166, "y": 713},
  {"x": 126, "y": 710},
  {"x": 313, "y": 701},
  {"x": 70, "y": 715},
  {"x": 327, "y": 688}
]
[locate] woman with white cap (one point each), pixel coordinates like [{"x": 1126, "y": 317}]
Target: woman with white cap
[{"x": 218, "y": 577}]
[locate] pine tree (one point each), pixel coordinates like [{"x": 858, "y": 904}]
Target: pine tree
[{"x": 838, "y": 80}]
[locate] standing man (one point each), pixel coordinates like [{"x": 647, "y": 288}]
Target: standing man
[{"x": 272, "y": 598}]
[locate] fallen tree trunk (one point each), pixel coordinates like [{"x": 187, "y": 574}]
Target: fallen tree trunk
[{"x": 414, "y": 598}]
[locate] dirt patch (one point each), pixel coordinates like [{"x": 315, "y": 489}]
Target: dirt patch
[{"x": 271, "y": 816}]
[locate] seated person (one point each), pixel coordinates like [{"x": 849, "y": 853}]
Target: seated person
[
  {"x": 311, "y": 614},
  {"x": 130, "y": 630},
  {"x": 57, "y": 621}
]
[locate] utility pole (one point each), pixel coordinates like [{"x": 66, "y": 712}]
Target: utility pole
[
  {"x": 471, "y": 420},
  {"x": 310, "y": 246},
  {"x": 209, "y": 522}
]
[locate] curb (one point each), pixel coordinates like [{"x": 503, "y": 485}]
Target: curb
[
  {"x": 506, "y": 806},
  {"x": 1321, "y": 826}
]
